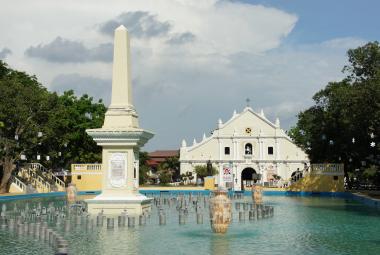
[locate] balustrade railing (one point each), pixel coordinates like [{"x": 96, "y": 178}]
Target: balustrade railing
[
  {"x": 58, "y": 182},
  {"x": 19, "y": 183},
  {"x": 327, "y": 168},
  {"x": 37, "y": 166},
  {"x": 316, "y": 169},
  {"x": 86, "y": 167},
  {"x": 39, "y": 181}
]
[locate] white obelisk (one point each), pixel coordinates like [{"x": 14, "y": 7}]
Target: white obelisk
[{"x": 120, "y": 138}]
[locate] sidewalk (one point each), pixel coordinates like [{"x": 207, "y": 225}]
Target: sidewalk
[
  {"x": 196, "y": 188},
  {"x": 12, "y": 194},
  {"x": 142, "y": 188},
  {"x": 171, "y": 188}
]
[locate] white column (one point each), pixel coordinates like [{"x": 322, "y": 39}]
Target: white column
[
  {"x": 265, "y": 175},
  {"x": 220, "y": 149},
  {"x": 220, "y": 175},
  {"x": 234, "y": 149},
  {"x": 259, "y": 152},
  {"x": 277, "y": 149},
  {"x": 237, "y": 150},
  {"x": 237, "y": 184},
  {"x": 136, "y": 170},
  {"x": 262, "y": 157}
]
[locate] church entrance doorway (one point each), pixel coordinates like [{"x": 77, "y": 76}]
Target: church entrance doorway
[{"x": 247, "y": 177}]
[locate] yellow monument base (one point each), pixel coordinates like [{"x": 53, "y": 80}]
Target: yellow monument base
[{"x": 209, "y": 183}]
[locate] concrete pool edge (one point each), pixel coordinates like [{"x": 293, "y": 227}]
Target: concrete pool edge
[
  {"x": 157, "y": 191},
  {"x": 364, "y": 199},
  {"x": 32, "y": 195},
  {"x": 361, "y": 198}
]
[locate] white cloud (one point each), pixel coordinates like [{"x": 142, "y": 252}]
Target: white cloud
[
  {"x": 232, "y": 51},
  {"x": 343, "y": 43}
]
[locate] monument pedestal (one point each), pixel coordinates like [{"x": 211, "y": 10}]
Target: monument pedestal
[
  {"x": 120, "y": 168},
  {"x": 133, "y": 205}
]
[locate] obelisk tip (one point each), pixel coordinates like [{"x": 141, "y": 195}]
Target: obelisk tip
[{"x": 121, "y": 27}]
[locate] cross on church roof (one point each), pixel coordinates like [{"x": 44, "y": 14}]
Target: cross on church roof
[{"x": 248, "y": 100}]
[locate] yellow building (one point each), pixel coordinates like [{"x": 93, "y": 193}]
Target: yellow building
[
  {"x": 319, "y": 178},
  {"x": 87, "y": 177}
]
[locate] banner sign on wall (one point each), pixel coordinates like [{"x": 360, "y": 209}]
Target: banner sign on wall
[{"x": 227, "y": 173}]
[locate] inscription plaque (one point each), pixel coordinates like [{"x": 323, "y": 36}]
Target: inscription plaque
[{"x": 117, "y": 173}]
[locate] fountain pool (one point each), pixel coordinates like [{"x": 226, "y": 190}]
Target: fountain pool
[{"x": 300, "y": 225}]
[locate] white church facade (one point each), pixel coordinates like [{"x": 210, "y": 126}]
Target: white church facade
[{"x": 245, "y": 149}]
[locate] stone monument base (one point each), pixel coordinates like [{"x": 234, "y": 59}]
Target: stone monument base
[{"x": 133, "y": 205}]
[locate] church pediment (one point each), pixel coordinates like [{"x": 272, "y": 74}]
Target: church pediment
[{"x": 247, "y": 123}]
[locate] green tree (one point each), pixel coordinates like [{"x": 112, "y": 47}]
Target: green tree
[
  {"x": 345, "y": 119},
  {"x": 143, "y": 157},
  {"x": 172, "y": 164},
  {"x": 372, "y": 174},
  {"x": 66, "y": 131},
  {"x": 364, "y": 62},
  {"x": 28, "y": 109},
  {"x": 23, "y": 106},
  {"x": 202, "y": 171},
  {"x": 168, "y": 169},
  {"x": 165, "y": 175},
  {"x": 143, "y": 166}
]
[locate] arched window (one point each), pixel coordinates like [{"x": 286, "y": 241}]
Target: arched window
[{"x": 248, "y": 149}]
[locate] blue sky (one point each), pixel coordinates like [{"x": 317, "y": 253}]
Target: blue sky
[
  {"x": 321, "y": 20},
  {"x": 193, "y": 61}
]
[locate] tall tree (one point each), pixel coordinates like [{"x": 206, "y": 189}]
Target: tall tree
[
  {"x": 344, "y": 124},
  {"x": 23, "y": 106},
  {"x": 172, "y": 164},
  {"x": 143, "y": 166},
  {"x": 69, "y": 124},
  {"x": 38, "y": 122}
]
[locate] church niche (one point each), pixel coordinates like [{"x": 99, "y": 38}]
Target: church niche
[{"x": 248, "y": 149}]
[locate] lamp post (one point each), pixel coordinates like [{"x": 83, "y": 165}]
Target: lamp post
[
  {"x": 331, "y": 144},
  {"x": 18, "y": 160},
  {"x": 61, "y": 155},
  {"x": 39, "y": 143}
]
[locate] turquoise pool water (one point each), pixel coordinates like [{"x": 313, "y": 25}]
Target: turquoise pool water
[{"x": 301, "y": 225}]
